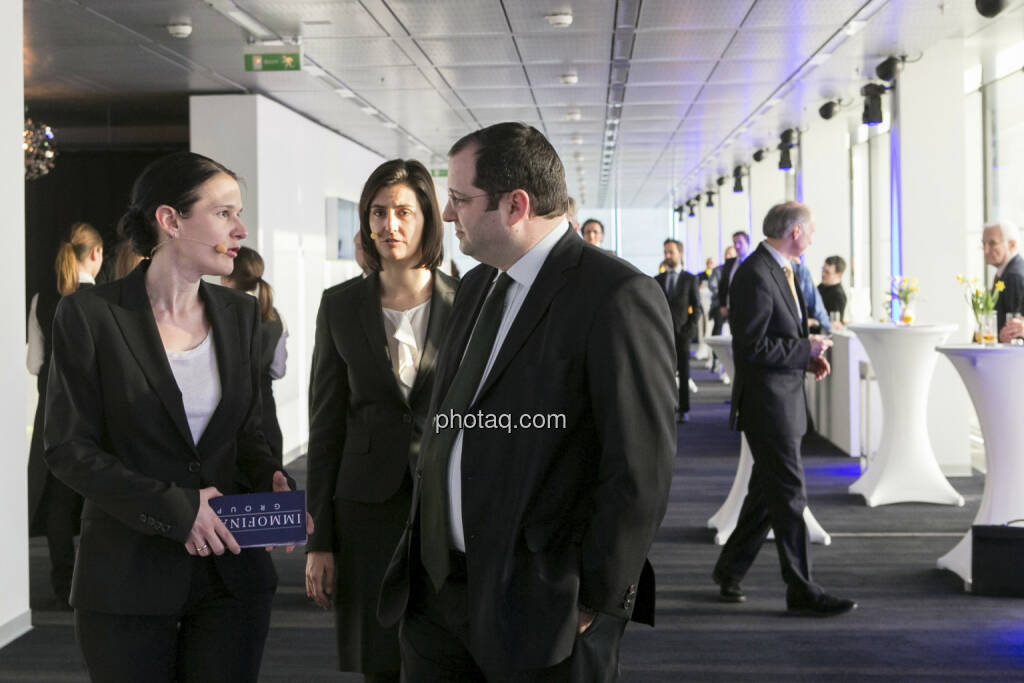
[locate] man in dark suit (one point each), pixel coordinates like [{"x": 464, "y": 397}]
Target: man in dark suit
[
  {"x": 999, "y": 240},
  {"x": 741, "y": 243},
  {"x": 772, "y": 350},
  {"x": 526, "y": 550},
  {"x": 680, "y": 290}
]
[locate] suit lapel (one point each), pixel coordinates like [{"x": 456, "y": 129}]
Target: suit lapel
[
  {"x": 441, "y": 303},
  {"x": 224, "y": 326},
  {"x": 780, "y": 279},
  {"x": 135, "y": 318},
  {"x": 371, "y": 317},
  {"x": 460, "y": 326},
  {"x": 565, "y": 254}
]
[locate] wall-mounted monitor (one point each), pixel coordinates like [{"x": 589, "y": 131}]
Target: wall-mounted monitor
[{"x": 342, "y": 227}]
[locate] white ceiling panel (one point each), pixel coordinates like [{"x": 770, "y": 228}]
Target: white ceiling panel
[
  {"x": 527, "y": 16},
  {"x": 631, "y": 111},
  {"x": 344, "y": 54},
  {"x": 496, "y": 97},
  {"x": 767, "y": 44},
  {"x": 509, "y": 113},
  {"x": 449, "y": 17},
  {"x": 493, "y": 76},
  {"x": 571, "y": 96},
  {"x": 659, "y": 73},
  {"x": 692, "y": 14},
  {"x": 382, "y": 78},
  {"x": 681, "y": 45},
  {"x": 789, "y": 15},
  {"x": 549, "y": 75},
  {"x": 468, "y": 50},
  {"x": 565, "y": 49},
  {"x": 660, "y": 94},
  {"x": 648, "y": 125},
  {"x": 749, "y": 71},
  {"x": 314, "y": 18}
]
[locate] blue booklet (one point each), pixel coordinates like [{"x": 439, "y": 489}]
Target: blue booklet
[{"x": 264, "y": 519}]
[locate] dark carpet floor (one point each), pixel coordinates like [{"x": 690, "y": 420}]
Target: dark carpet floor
[{"x": 914, "y": 623}]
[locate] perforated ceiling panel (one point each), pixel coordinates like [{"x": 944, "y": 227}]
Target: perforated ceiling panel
[{"x": 666, "y": 81}]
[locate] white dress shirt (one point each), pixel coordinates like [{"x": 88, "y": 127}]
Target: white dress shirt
[
  {"x": 523, "y": 274},
  {"x": 407, "y": 332}
]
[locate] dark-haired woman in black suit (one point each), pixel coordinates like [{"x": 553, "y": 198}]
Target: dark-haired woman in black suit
[
  {"x": 153, "y": 408},
  {"x": 373, "y": 370}
]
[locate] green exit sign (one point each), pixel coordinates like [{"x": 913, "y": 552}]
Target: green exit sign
[
  {"x": 439, "y": 172},
  {"x": 273, "y": 61}
]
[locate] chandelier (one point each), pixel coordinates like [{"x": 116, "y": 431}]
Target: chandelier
[{"x": 40, "y": 153}]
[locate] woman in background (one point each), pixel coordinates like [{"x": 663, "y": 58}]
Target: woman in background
[
  {"x": 125, "y": 259},
  {"x": 152, "y": 410},
  {"x": 376, "y": 346},
  {"x": 247, "y": 276},
  {"x": 54, "y": 509}
]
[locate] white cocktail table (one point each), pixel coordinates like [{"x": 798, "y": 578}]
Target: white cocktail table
[
  {"x": 724, "y": 521},
  {"x": 904, "y": 469},
  {"x": 992, "y": 375}
]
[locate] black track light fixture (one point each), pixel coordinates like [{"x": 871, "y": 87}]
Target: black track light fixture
[
  {"x": 989, "y": 8},
  {"x": 828, "y": 110},
  {"x": 711, "y": 200},
  {"x": 759, "y": 155},
  {"x": 787, "y": 140},
  {"x": 888, "y": 68},
  {"x": 678, "y": 212},
  {"x": 720, "y": 181},
  {"x": 690, "y": 205},
  {"x": 737, "y": 179},
  {"x": 872, "y": 93}
]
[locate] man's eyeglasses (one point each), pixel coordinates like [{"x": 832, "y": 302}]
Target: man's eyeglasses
[{"x": 457, "y": 200}]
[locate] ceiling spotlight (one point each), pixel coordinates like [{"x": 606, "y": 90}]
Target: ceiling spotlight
[
  {"x": 786, "y": 137},
  {"x": 573, "y": 115},
  {"x": 576, "y": 139},
  {"x": 989, "y": 8},
  {"x": 828, "y": 110},
  {"x": 787, "y": 140},
  {"x": 711, "y": 200},
  {"x": 737, "y": 179},
  {"x": 759, "y": 155},
  {"x": 578, "y": 156},
  {"x": 345, "y": 92},
  {"x": 689, "y": 205},
  {"x": 180, "y": 29},
  {"x": 785, "y": 160},
  {"x": 570, "y": 78},
  {"x": 368, "y": 110},
  {"x": 559, "y": 20},
  {"x": 872, "y": 93},
  {"x": 887, "y": 69}
]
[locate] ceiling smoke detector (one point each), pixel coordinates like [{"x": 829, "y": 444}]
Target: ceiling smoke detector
[
  {"x": 559, "y": 19},
  {"x": 180, "y": 30},
  {"x": 570, "y": 78}
]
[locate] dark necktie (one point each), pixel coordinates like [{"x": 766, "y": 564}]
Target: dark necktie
[
  {"x": 434, "y": 487},
  {"x": 670, "y": 283}
]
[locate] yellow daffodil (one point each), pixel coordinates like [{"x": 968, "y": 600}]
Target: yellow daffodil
[
  {"x": 960, "y": 279},
  {"x": 1000, "y": 286}
]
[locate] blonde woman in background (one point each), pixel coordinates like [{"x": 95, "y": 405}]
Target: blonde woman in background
[
  {"x": 247, "y": 276},
  {"x": 54, "y": 508}
]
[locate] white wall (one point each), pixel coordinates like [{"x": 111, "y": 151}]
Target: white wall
[
  {"x": 290, "y": 166},
  {"x": 735, "y": 216},
  {"x": 767, "y": 187},
  {"x": 643, "y": 232},
  {"x": 15, "y": 618},
  {"x": 825, "y": 175},
  {"x": 933, "y": 209}
]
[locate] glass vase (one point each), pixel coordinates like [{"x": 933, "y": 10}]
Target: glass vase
[
  {"x": 907, "y": 313},
  {"x": 989, "y": 333}
]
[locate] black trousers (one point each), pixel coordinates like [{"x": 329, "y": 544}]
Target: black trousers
[
  {"x": 775, "y": 499},
  {"x": 216, "y": 637},
  {"x": 683, "y": 364},
  {"x": 62, "y": 507},
  {"x": 434, "y": 639}
]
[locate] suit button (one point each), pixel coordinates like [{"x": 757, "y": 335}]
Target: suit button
[
  {"x": 193, "y": 467},
  {"x": 407, "y": 418}
]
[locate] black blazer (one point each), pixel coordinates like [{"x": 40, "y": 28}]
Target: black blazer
[
  {"x": 770, "y": 348},
  {"x": 562, "y": 516},
  {"x": 684, "y": 305},
  {"x": 1011, "y": 300},
  {"x": 725, "y": 283},
  {"x": 363, "y": 434},
  {"x": 116, "y": 432}
]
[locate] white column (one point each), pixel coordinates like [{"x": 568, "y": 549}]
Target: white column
[
  {"x": 735, "y": 216},
  {"x": 767, "y": 188},
  {"x": 931, "y": 130},
  {"x": 826, "y": 190},
  {"x": 285, "y": 190},
  {"x": 15, "y": 618}
]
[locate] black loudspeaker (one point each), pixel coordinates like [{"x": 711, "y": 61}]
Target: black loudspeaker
[{"x": 997, "y": 561}]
